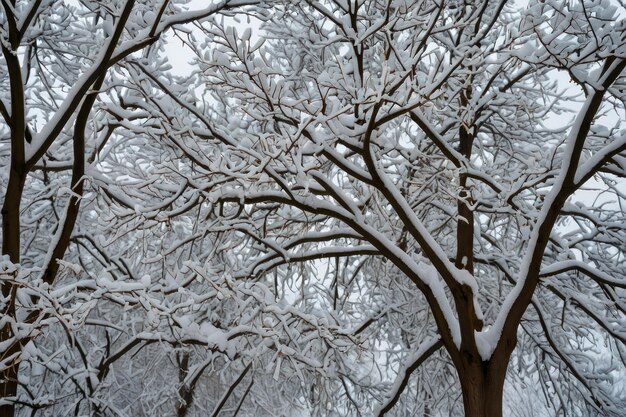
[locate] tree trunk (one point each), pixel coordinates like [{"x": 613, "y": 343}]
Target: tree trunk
[
  {"x": 185, "y": 392},
  {"x": 11, "y": 247},
  {"x": 482, "y": 385},
  {"x": 10, "y": 211},
  {"x": 8, "y": 389}
]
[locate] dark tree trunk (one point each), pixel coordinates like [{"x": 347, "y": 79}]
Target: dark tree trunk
[
  {"x": 185, "y": 392},
  {"x": 8, "y": 382},
  {"x": 482, "y": 382},
  {"x": 482, "y": 386},
  {"x": 11, "y": 248},
  {"x": 11, "y": 219}
]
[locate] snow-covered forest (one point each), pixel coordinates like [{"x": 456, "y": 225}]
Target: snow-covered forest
[{"x": 313, "y": 208}]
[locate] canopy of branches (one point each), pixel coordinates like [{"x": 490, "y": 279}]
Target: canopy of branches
[{"x": 313, "y": 208}]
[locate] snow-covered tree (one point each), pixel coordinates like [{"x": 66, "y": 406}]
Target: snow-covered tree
[
  {"x": 348, "y": 208},
  {"x": 443, "y": 141}
]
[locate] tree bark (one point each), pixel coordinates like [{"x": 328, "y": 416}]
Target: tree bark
[
  {"x": 11, "y": 211},
  {"x": 185, "y": 392},
  {"x": 8, "y": 380},
  {"x": 482, "y": 385},
  {"x": 11, "y": 248}
]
